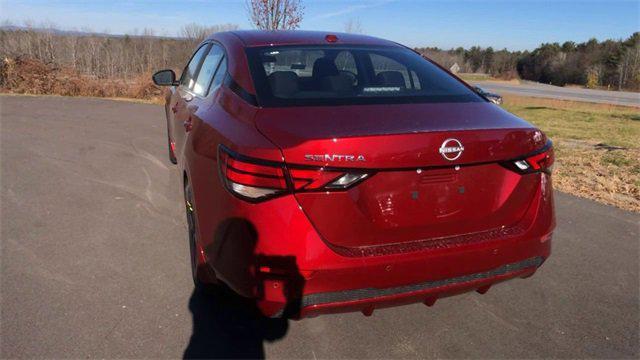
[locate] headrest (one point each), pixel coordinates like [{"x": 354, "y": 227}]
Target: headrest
[
  {"x": 324, "y": 67},
  {"x": 390, "y": 78},
  {"x": 340, "y": 83},
  {"x": 283, "y": 83}
]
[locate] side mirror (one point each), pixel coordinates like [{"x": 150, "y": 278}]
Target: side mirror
[{"x": 165, "y": 78}]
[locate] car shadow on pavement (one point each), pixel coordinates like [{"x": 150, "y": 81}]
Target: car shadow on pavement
[{"x": 228, "y": 325}]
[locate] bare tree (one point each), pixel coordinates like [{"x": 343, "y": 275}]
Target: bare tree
[
  {"x": 195, "y": 33},
  {"x": 275, "y": 14},
  {"x": 353, "y": 26},
  {"x": 100, "y": 55},
  {"x": 629, "y": 65}
]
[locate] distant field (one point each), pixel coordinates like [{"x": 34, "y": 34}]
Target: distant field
[
  {"x": 474, "y": 77},
  {"x": 597, "y": 149}
]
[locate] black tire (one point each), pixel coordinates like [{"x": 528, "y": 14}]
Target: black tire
[{"x": 197, "y": 274}]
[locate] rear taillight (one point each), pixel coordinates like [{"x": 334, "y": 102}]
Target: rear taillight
[
  {"x": 249, "y": 180},
  {"x": 257, "y": 180},
  {"x": 539, "y": 162}
]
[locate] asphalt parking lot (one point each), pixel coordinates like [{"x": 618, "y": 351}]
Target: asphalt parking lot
[{"x": 95, "y": 264}]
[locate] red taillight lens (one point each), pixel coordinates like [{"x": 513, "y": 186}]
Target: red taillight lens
[
  {"x": 319, "y": 179},
  {"x": 540, "y": 162},
  {"x": 312, "y": 179},
  {"x": 256, "y": 180},
  {"x": 249, "y": 180},
  {"x": 255, "y": 175}
]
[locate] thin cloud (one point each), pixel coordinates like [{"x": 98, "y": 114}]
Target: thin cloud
[{"x": 351, "y": 8}]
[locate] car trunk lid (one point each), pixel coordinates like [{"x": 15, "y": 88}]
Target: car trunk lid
[{"x": 435, "y": 168}]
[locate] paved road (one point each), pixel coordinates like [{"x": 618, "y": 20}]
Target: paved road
[
  {"x": 555, "y": 92},
  {"x": 95, "y": 264}
]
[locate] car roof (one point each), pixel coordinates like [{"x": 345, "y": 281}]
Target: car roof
[{"x": 253, "y": 38}]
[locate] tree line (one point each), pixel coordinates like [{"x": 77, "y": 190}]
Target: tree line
[
  {"x": 501, "y": 63},
  {"x": 614, "y": 64},
  {"x": 610, "y": 63}
]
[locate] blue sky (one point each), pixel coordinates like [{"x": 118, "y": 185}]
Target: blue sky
[{"x": 516, "y": 25}]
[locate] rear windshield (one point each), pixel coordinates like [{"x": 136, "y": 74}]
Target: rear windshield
[{"x": 345, "y": 75}]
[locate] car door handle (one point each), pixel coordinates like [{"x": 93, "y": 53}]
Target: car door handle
[{"x": 188, "y": 124}]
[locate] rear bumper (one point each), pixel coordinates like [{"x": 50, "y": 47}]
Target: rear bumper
[
  {"x": 372, "y": 293},
  {"x": 270, "y": 251},
  {"x": 399, "y": 280},
  {"x": 366, "y": 300},
  {"x": 330, "y": 282}
]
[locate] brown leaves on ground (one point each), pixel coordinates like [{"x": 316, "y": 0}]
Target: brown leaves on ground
[
  {"x": 596, "y": 147},
  {"x": 608, "y": 176},
  {"x": 27, "y": 76}
]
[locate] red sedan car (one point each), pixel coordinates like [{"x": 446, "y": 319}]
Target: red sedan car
[{"x": 337, "y": 172}]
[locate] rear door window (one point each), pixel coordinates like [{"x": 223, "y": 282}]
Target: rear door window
[
  {"x": 207, "y": 70},
  {"x": 346, "y": 64},
  {"x": 188, "y": 75},
  {"x": 220, "y": 75},
  {"x": 389, "y": 72}
]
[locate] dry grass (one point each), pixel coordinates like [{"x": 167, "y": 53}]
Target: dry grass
[
  {"x": 472, "y": 78},
  {"x": 28, "y": 76},
  {"x": 597, "y": 147}
]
